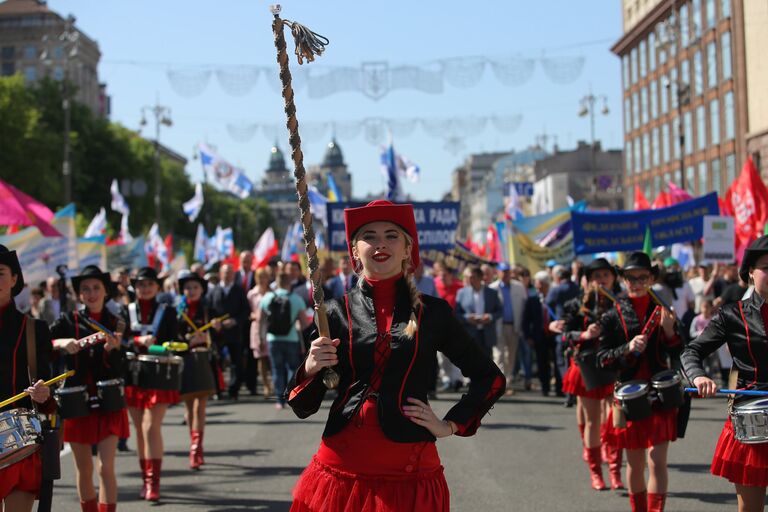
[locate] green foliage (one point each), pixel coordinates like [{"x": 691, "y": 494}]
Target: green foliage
[{"x": 31, "y": 153}]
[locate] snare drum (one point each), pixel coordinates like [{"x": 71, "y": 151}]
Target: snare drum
[
  {"x": 73, "y": 402},
  {"x": 21, "y": 435},
  {"x": 593, "y": 375},
  {"x": 669, "y": 389},
  {"x": 111, "y": 395},
  {"x": 750, "y": 421},
  {"x": 160, "y": 372},
  {"x": 131, "y": 375},
  {"x": 197, "y": 376},
  {"x": 633, "y": 398}
]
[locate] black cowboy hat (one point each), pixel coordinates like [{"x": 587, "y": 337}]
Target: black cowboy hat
[
  {"x": 10, "y": 259},
  {"x": 751, "y": 255},
  {"x": 640, "y": 261},
  {"x": 599, "y": 264},
  {"x": 147, "y": 274},
  {"x": 94, "y": 272},
  {"x": 187, "y": 275}
]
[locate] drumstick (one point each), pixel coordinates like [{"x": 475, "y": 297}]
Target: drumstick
[
  {"x": 745, "y": 392},
  {"x": 606, "y": 293},
  {"x": 189, "y": 321},
  {"x": 96, "y": 326},
  {"x": 210, "y": 324},
  {"x": 23, "y": 394}
]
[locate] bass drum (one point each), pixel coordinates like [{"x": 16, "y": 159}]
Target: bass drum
[{"x": 197, "y": 377}]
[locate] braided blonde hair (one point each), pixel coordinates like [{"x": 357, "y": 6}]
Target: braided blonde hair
[{"x": 413, "y": 323}]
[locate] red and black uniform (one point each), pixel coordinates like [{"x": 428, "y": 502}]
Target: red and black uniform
[
  {"x": 25, "y": 475},
  {"x": 742, "y": 326},
  {"x": 576, "y": 323},
  {"x": 150, "y": 317},
  {"x": 194, "y": 375},
  {"x": 92, "y": 364},
  {"x": 619, "y": 325},
  {"x": 372, "y": 457}
]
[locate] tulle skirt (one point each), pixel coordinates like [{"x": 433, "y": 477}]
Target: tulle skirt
[{"x": 743, "y": 464}]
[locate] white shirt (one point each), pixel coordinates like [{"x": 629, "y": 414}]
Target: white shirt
[
  {"x": 684, "y": 297},
  {"x": 479, "y": 301}
]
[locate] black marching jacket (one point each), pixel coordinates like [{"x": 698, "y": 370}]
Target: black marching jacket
[
  {"x": 167, "y": 329},
  {"x": 619, "y": 325},
  {"x": 741, "y": 326},
  {"x": 409, "y": 370},
  {"x": 92, "y": 363},
  {"x": 13, "y": 357}
]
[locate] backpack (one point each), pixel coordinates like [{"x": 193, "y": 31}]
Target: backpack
[{"x": 279, "y": 318}]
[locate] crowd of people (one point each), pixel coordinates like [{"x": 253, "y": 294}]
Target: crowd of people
[{"x": 554, "y": 330}]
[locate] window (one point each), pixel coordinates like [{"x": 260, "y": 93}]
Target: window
[
  {"x": 644, "y": 105},
  {"x": 638, "y": 162},
  {"x": 58, "y": 52},
  {"x": 725, "y": 54},
  {"x": 627, "y": 115},
  {"x": 688, "y": 131},
  {"x": 664, "y": 90},
  {"x": 711, "y": 15},
  {"x": 703, "y": 179},
  {"x": 698, "y": 75},
  {"x": 677, "y": 177},
  {"x": 673, "y": 88},
  {"x": 701, "y": 128},
  {"x": 58, "y": 73},
  {"x": 628, "y": 157},
  {"x": 625, "y": 69},
  {"x": 656, "y": 186},
  {"x": 30, "y": 52},
  {"x": 662, "y": 38},
  {"x": 730, "y": 169},
  {"x": 690, "y": 180},
  {"x": 676, "y": 139},
  {"x": 685, "y": 72},
  {"x": 665, "y": 142},
  {"x": 715, "y": 168},
  {"x": 651, "y": 52},
  {"x": 725, "y": 8},
  {"x": 729, "y": 115},
  {"x": 655, "y": 148},
  {"x": 696, "y": 18},
  {"x": 7, "y": 52},
  {"x": 684, "y": 39},
  {"x": 635, "y": 111},
  {"x": 647, "y": 189},
  {"x": 711, "y": 64},
  {"x": 646, "y": 152},
  {"x": 714, "y": 121},
  {"x": 654, "y": 101},
  {"x": 8, "y": 69},
  {"x": 30, "y": 73},
  {"x": 633, "y": 65},
  {"x": 642, "y": 57}
]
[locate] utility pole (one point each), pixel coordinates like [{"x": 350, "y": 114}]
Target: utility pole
[{"x": 162, "y": 116}]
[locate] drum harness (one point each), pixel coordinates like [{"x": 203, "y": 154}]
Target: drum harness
[{"x": 145, "y": 329}]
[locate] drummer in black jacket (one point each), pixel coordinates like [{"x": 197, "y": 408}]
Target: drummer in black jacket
[
  {"x": 21, "y": 481},
  {"x": 742, "y": 325},
  {"x": 639, "y": 355},
  {"x": 98, "y": 362}
]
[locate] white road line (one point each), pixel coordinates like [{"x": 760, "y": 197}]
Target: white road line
[{"x": 66, "y": 451}]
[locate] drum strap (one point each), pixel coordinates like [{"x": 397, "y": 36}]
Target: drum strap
[
  {"x": 31, "y": 352},
  {"x": 733, "y": 379}
]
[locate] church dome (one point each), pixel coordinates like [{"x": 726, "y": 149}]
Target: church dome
[
  {"x": 333, "y": 156},
  {"x": 276, "y": 160}
]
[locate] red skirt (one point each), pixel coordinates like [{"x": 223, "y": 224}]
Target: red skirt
[
  {"x": 26, "y": 476},
  {"x": 361, "y": 470},
  {"x": 660, "y": 427},
  {"x": 743, "y": 464},
  {"x": 96, "y": 427},
  {"x": 148, "y": 398},
  {"x": 573, "y": 384}
]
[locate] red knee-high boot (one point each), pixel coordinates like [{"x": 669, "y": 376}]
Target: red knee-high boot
[
  {"x": 595, "y": 468},
  {"x": 614, "y": 466},
  {"x": 89, "y": 506},
  {"x": 656, "y": 502},
  {"x": 144, "y": 481},
  {"x": 153, "y": 476},
  {"x": 200, "y": 458},
  {"x": 194, "y": 449},
  {"x": 583, "y": 446},
  {"x": 107, "y": 507},
  {"x": 639, "y": 501}
]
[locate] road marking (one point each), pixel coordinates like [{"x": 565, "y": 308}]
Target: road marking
[{"x": 66, "y": 451}]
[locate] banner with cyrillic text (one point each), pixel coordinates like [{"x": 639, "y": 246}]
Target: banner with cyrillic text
[{"x": 595, "y": 232}]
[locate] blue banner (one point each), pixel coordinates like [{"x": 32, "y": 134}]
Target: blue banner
[
  {"x": 625, "y": 231},
  {"x": 436, "y": 222}
]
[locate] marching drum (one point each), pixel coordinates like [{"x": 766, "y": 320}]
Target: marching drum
[
  {"x": 750, "y": 421},
  {"x": 131, "y": 375},
  {"x": 633, "y": 398},
  {"x": 21, "y": 435},
  {"x": 593, "y": 375},
  {"x": 111, "y": 395},
  {"x": 73, "y": 402},
  {"x": 197, "y": 376},
  {"x": 160, "y": 372},
  {"x": 669, "y": 389}
]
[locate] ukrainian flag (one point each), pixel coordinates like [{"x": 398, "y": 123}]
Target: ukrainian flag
[{"x": 334, "y": 195}]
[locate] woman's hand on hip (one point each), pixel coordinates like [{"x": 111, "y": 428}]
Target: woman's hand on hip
[
  {"x": 322, "y": 354},
  {"x": 422, "y": 414}
]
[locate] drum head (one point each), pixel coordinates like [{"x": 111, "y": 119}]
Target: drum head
[
  {"x": 73, "y": 389},
  {"x": 755, "y": 403},
  {"x": 632, "y": 389},
  {"x": 665, "y": 379}
]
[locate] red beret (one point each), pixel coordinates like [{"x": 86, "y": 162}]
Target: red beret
[{"x": 384, "y": 211}]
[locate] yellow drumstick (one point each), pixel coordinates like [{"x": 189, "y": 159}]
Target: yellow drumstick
[
  {"x": 189, "y": 321},
  {"x": 47, "y": 383},
  {"x": 210, "y": 324}
]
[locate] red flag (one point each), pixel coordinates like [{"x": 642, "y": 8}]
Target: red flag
[
  {"x": 662, "y": 201},
  {"x": 725, "y": 208},
  {"x": 265, "y": 248},
  {"x": 493, "y": 244},
  {"x": 748, "y": 199},
  {"x": 641, "y": 203},
  {"x": 169, "y": 246},
  {"x": 677, "y": 194}
]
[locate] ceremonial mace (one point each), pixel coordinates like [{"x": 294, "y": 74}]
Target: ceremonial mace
[{"x": 308, "y": 44}]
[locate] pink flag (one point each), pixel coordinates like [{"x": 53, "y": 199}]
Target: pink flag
[
  {"x": 18, "y": 208},
  {"x": 677, "y": 194}
]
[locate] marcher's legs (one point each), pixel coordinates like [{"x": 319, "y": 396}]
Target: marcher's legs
[
  {"x": 107, "y": 479},
  {"x": 751, "y": 499},
  {"x": 84, "y": 468}
]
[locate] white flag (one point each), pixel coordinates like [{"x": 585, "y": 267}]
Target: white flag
[
  {"x": 200, "y": 252},
  {"x": 193, "y": 207},
  {"x": 265, "y": 248},
  {"x": 317, "y": 205},
  {"x": 118, "y": 201},
  {"x": 98, "y": 225},
  {"x": 223, "y": 174},
  {"x": 125, "y": 235}
]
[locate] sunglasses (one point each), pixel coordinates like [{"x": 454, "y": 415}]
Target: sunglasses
[{"x": 637, "y": 279}]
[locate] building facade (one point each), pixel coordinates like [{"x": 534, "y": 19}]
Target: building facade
[
  {"x": 694, "y": 98},
  {"x": 333, "y": 164}
]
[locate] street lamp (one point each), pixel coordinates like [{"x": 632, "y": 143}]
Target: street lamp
[
  {"x": 69, "y": 40},
  {"x": 162, "y": 116},
  {"x": 587, "y": 108}
]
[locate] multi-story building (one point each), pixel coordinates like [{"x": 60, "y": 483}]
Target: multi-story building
[
  {"x": 467, "y": 180},
  {"x": 30, "y": 44},
  {"x": 278, "y": 189},
  {"x": 333, "y": 164},
  {"x": 694, "y": 92}
]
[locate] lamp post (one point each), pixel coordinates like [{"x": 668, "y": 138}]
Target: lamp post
[
  {"x": 162, "y": 116},
  {"x": 69, "y": 40},
  {"x": 588, "y": 109}
]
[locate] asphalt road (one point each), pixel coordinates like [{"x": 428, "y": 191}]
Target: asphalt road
[{"x": 526, "y": 457}]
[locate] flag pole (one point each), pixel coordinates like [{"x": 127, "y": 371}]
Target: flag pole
[{"x": 308, "y": 44}]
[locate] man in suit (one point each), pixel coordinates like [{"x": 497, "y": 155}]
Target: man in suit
[
  {"x": 512, "y": 295},
  {"x": 343, "y": 280},
  {"x": 246, "y": 277},
  {"x": 478, "y": 307},
  {"x": 229, "y": 298}
]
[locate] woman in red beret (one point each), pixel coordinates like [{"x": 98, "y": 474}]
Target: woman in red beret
[{"x": 378, "y": 451}]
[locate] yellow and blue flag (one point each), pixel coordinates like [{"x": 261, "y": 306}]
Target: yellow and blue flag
[{"x": 334, "y": 194}]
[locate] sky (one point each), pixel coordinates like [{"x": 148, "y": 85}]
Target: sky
[{"x": 141, "y": 40}]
